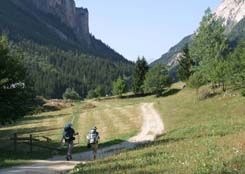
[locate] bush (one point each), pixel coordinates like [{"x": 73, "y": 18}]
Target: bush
[
  {"x": 204, "y": 93},
  {"x": 243, "y": 93},
  {"x": 71, "y": 94},
  {"x": 197, "y": 80},
  {"x": 91, "y": 94},
  {"x": 99, "y": 91}
]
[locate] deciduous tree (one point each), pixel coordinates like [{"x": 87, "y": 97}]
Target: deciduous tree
[
  {"x": 119, "y": 86},
  {"x": 156, "y": 80}
]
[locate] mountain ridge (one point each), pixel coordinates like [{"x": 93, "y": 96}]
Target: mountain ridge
[
  {"x": 58, "y": 50},
  {"x": 230, "y": 10},
  {"x": 75, "y": 18},
  {"x": 56, "y": 23}
]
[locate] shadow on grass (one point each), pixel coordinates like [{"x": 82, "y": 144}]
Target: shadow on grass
[
  {"x": 125, "y": 96},
  {"x": 170, "y": 92},
  {"x": 43, "y": 117},
  {"x": 10, "y": 132},
  {"x": 235, "y": 165},
  {"x": 135, "y": 96},
  {"x": 83, "y": 148},
  {"x": 10, "y": 158},
  {"x": 25, "y": 120},
  {"x": 166, "y": 93}
]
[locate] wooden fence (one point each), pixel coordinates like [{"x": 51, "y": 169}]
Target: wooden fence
[{"x": 32, "y": 141}]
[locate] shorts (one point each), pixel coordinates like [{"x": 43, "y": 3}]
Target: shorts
[{"x": 94, "y": 147}]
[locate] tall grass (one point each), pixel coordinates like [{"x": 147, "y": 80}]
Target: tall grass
[
  {"x": 116, "y": 121},
  {"x": 202, "y": 137}
]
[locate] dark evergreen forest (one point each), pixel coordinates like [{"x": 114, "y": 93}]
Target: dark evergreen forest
[{"x": 53, "y": 70}]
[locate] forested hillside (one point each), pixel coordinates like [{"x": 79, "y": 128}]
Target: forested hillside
[
  {"x": 24, "y": 20},
  {"x": 57, "y": 53},
  {"x": 54, "y": 70}
]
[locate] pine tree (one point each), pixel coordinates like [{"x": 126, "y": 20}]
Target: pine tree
[
  {"x": 185, "y": 65},
  {"x": 139, "y": 73},
  {"x": 16, "y": 93},
  {"x": 237, "y": 67},
  {"x": 54, "y": 70}
]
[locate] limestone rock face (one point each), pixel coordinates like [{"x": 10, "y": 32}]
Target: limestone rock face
[
  {"x": 69, "y": 14},
  {"x": 231, "y": 10}
]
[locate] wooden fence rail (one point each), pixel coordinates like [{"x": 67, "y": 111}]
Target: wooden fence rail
[{"x": 30, "y": 140}]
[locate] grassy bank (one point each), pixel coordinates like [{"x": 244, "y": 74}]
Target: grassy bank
[
  {"x": 202, "y": 137},
  {"x": 116, "y": 121}
]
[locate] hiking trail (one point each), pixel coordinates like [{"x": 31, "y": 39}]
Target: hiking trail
[{"x": 152, "y": 127}]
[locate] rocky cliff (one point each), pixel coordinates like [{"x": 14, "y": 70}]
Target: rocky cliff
[
  {"x": 53, "y": 23},
  {"x": 59, "y": 51},
  {"x": 69, "y": 14},
  {"x": 232, "y": 11}
]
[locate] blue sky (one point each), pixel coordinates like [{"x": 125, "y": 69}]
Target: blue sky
[{"x": 144, "y": 27}]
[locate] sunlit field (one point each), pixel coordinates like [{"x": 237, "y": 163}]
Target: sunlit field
[
  {"x": 116, "y": 122},
  {"x": 201, "y": 137}
]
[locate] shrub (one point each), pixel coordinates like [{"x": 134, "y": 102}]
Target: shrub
[
  {"x": 243, "y": 92},
  {"x": 99, "y": 91},
  {"x": 71, "y": 94},
  {"x": 204, "y": 93},
  {"x": 91, "y": 94}
]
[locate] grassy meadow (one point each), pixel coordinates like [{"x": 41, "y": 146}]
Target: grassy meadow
[
  {"x": 116, "y": 121},
  {"x": 202, "y": 137}
]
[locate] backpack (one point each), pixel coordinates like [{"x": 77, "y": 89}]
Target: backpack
[
  {"x": 68, "y": 134},
  {"x": 93, "y": 137}
]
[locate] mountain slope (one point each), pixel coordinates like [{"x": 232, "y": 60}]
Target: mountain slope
[
  {"x": 169, "y": 58},
  {"x": 237, "y": 34},
  {"x": 56, "y": 23},
  {"x": 58, "y": 50},
  {"x": 232, "y": 11},
  {"x": 54, "y": 70}
]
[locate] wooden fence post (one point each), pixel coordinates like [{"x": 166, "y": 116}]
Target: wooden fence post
[
  {"x": 15, "y": 142},
  {"x": 78, "y": 139},
  {"x": 31, "y": 143}
]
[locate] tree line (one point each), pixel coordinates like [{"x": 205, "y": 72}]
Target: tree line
[
  {"x": 16, "y": 90},
  {"x": 212, "y": 59},
  {"x": 28, "y": 70},
  {"x": 53, "y": 70},
  {"x": 145, "y": 80}
]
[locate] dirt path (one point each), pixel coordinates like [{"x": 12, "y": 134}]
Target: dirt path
[{"x": 152, "y": 126}]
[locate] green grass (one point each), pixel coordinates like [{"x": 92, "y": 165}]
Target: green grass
[
  {"x": 116, "y": 122},
  {"x": 202, "y": 137}
]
